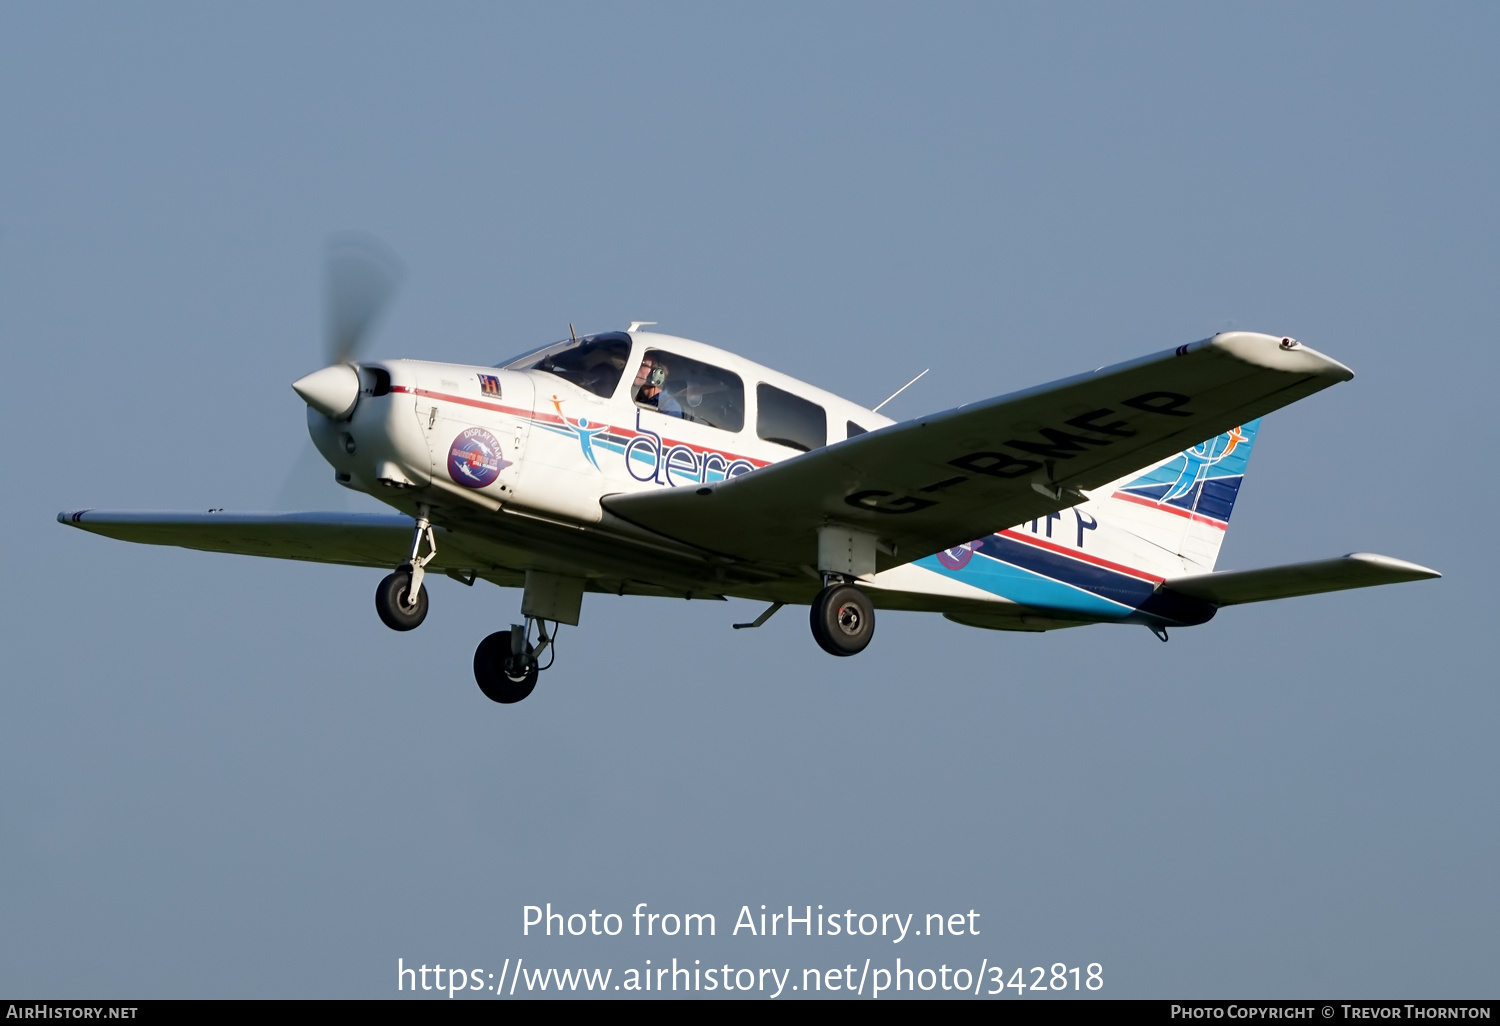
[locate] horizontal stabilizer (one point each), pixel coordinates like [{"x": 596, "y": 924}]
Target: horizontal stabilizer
[{"x": 1356, "y": 570}]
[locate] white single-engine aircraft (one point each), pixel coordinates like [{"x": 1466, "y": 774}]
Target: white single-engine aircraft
[{"x": 636, "y": 463}]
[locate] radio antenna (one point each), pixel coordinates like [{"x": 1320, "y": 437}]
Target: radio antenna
[
  {"x": 571, "y": 333},
  {"x": 903, "y": 388}
]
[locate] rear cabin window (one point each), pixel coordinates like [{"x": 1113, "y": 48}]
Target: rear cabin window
[
  {"x": 690, "y": 390},
  {"x": 789, "y": 420},
  {"x": 594, "y": 363},
  {"x": 851, "y": 429}
]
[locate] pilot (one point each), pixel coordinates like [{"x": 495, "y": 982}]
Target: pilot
[{"x": 650, "y": 382}]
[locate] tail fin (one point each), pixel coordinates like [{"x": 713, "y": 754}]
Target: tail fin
[{"x": 1170, "y": 518}]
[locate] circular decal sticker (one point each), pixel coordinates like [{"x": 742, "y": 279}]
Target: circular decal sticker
[
  {"x": 474, "y": 458},
  {"x": 958, "y": 557}
]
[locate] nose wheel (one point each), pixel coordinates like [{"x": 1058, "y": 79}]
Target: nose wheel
[
  {"x": 394, "y": 604},
  {"x": 843, "y": 620},
  {"x": 400, "y": 599},
  {"x": 506, "y": 664}
]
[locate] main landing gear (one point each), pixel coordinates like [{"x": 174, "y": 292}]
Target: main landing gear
[
  {"x": 506, "y": 663},
  {"x": 842, "y": 617},
  {"x": 394, "y": 597}
]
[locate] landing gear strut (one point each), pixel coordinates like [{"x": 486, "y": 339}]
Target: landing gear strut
[
  {"x": 843, "y": 618},
  {"x": 506, "y": 663},
  {"x": 400, "y": 599}
]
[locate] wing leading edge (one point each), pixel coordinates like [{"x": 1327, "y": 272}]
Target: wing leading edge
[
  {"x": 353, "y": 539},
  {"x": 929, "y": 484}
]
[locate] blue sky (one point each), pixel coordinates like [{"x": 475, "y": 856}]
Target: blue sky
[{"x": 224, "y": 777}]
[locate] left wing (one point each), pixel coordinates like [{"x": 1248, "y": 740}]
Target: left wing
[
  {"x": 469, "y": 546},
  {"x": 943, "y": 480}
]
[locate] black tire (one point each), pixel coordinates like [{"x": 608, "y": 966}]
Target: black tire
[
  {"x": 390, "y": 598},
  {"x": 843, "y": 620},
  {"x": 492, "y": 661}
]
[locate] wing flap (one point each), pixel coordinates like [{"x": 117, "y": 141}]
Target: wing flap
[
  {"x": 939, "y": 481},
  {"x": 1356, "y": 570}
]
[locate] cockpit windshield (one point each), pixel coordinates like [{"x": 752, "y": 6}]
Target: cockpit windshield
[{"x": 594, "y": 362}]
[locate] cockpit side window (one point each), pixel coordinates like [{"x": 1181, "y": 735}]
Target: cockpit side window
[
  {"x": 594, "y": 363},
  {"x": 689, "y": 389},
  {"x": 789, "y": 420}
]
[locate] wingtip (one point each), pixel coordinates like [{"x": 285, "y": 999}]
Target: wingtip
[
  {"x": 1414, "y": 571},
  {"x": 1280, "y": 353}
]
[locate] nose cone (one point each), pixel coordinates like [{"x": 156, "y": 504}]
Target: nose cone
[{"x": 332, "y": 391}]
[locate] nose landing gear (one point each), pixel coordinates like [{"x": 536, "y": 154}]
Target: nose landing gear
[
  {"x": 400, "y": 599},
  {"x": 506, "y": 664},
  {"x": 843, "y": 619}
]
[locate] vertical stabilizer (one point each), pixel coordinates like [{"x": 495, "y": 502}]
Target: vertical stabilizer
[{"x": 1170, "y": 518}]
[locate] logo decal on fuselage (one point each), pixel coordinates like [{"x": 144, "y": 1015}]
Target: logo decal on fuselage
[
  {"x": 583, "y": 428},
  {"x": 474, "y": 459},
  {"x": 958, "y": 557},
  {"x": 489, "y": 385},
  {"x": 647, "y": 455},
  {"x": 650, "y": 457}
]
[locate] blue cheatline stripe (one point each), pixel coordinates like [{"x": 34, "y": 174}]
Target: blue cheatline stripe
[
  {"x": 1049, "y": 581},
  {"x": 616, "y": 444},
  {"x": 1097, "y": 580},
  {"x": 1027, "y": 587}
]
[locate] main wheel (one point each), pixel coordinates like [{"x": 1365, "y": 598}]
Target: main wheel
[
  {"x": 843, "y": 620},
  {"x": 391, "y": 602},
  {"x": 493, "y": 673}
]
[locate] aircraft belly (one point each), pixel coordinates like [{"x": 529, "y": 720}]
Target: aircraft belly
[{"x": 917, "y": 579}]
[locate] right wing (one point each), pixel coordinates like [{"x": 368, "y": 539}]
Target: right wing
[
  {"x": 939, "y": 481},
  {"x": 1356, "y": 570}
]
